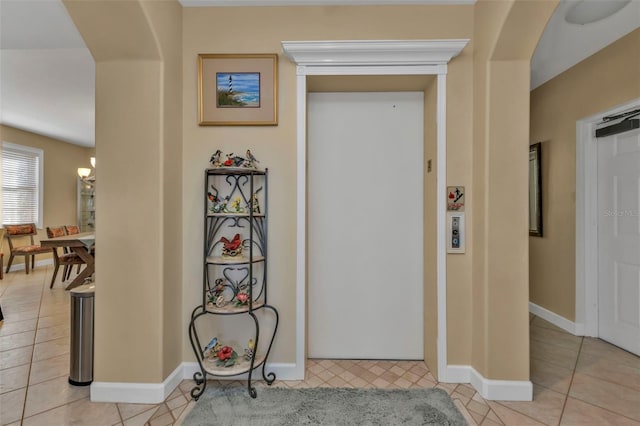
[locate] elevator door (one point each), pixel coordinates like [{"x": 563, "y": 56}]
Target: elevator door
[{"x": 365, "y": 216}]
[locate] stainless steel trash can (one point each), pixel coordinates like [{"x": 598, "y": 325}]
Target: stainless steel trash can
[{"x": 82, "y": 307}]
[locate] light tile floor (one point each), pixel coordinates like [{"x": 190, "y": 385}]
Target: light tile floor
[{"x": 577, "y": 381}]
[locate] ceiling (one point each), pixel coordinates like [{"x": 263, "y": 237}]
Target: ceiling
[{"x": 47, "y": 74}]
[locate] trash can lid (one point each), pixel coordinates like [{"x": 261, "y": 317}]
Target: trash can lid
[{"x": 86, "y": 290}]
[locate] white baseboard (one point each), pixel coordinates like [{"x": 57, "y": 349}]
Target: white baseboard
[
  {"x": 456, "y": 374},
  {"x": 136, "y": 393},
  {"x": 155, "y": 393},
  {"x": 574, "y": 328},
  {"x": 492, "y": 390},
  {"x": 20, "y": 266}
]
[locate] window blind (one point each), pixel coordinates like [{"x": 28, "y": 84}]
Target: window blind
[{"x": 21, "y": 184}]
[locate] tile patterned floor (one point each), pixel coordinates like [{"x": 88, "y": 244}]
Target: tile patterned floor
[{"x": 577, "y": 381}]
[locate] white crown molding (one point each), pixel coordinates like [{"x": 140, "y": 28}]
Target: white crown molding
[
  {"x": 372, "y": 52},
  {"x": 218, "y": 3}
]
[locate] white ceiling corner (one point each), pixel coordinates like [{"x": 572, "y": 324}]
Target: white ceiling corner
[
  {"x": 563, "y": 45},
  {"x": 47, "y": 74}
]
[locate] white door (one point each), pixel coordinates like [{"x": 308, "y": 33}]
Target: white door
[
  {"x": 619, "y": 240},
  {"x": 365, "y": 162}
]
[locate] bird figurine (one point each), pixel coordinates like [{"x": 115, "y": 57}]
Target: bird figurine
[
  {"x": 222, "y": 206},
  {"x": 213, "y": 197},
  {"x": 215, "y": 200},
  {"x": 238, "y": 161},
  {"x": 233, "y": 244},
  {"x": 215, "y": 159},
  {"x": 210, "y": 346},
  {"x": 248, "y": 352},
  {"x": 229, "y": 161},
  {"x": 251, "y": 159},
  {"x": 254, "y": 205},
  {"x": 233, "y": 247}
]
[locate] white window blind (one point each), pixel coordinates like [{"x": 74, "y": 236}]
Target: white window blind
[{"x": 22, "y": 184}]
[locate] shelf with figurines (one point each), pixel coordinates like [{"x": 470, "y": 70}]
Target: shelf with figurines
[
  {"x": 224, "y": 361},
  {"x": 232, "y": 252},
  {"x": 234, "y": 163},
  {"x": 231, "y": 293},
  {"x": 234, "y": 268}
]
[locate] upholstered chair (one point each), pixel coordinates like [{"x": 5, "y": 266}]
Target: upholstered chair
[{"x": 16, "y": 234}]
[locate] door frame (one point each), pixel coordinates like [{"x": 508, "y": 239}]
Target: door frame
[
  {"x": 370, "y": 57},
  {"x": 586, "y": 322}
]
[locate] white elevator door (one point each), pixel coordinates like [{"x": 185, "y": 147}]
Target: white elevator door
[
  {"x": 365, "y": 238},
  {"x": 619, "y": 240}
]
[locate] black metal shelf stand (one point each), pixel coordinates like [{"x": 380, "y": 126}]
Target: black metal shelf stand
[{"x": 231, "y": 274}]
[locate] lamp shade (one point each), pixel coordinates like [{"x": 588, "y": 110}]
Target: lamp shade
[
  {"x": 587, "y": 11},
  {"x": 83, "y": 172}
]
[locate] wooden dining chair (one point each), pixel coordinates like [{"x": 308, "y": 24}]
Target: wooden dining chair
[
  {"x": 29, "y": 251},
  {"x": 71, "y": 230},
  {"x": 66, "y": 259}
]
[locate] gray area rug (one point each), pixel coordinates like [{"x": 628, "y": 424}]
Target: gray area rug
[{"x": 324, "y": 406}]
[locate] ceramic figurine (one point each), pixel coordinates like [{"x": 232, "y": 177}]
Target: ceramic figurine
[
  {"x": 233, "y": 247},
  {"x": 233, "y": 160},
  {"x": 214, "y": 199},
  {"x": 235, "y": 205},
  {"x": 251, "y": 160},
  {"x": 226, "y": 357},
  {"x": 216, "y": 296},
  {"x": 212, "y": 348},
  {"x": 221, "y": 301},
  {"x": 248, "y": 352},
  {"x": 238, "y": 161},
  {"x": 222, "y": 207},
  {"x": 254, "y": 205},
  {"x": 215, "y": 159}
]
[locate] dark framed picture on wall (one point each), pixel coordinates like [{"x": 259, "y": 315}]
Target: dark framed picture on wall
[
  {"x": 535, "y": 190},
  {"x": 237, "y": 90}
]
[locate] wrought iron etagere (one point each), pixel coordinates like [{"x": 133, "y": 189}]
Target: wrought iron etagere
[{"x": 228, "y": 275}]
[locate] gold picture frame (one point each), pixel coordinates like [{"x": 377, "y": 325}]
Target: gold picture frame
[{"x": 238, "y": 89}]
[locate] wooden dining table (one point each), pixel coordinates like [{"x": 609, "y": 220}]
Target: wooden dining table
[{"x": 80, "y": 244}]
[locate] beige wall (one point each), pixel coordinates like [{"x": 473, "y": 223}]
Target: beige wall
[
  {"x": 505, "y": 35},
  {"x": 600, "y": 82},
  {"x": 167, "y": 19},
  {"x": 61, "y": 162},
  {"x": 276, "y": 146},
  {"x": 137, "y": 49},
  {"x": 151, "y": 187}
]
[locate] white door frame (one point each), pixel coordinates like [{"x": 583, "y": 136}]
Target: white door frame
[
  {"x": 587, "y": 220},
  {"x": 387, "y": 57}
]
